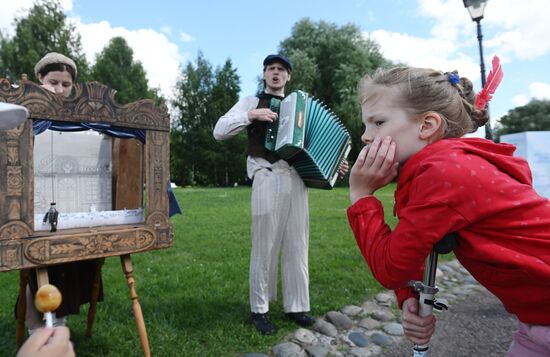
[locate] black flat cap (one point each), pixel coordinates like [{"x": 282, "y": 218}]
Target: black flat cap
[{"x": 278, "y": 58}]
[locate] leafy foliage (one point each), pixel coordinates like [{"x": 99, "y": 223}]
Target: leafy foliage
[
  {"x": 44, "y": 29},
  {"x": 115, "y": 67},
  {"x": 328, "y": 62},
  {"x": 202, "y": 95},
  {"x": 534, "y": 116}
]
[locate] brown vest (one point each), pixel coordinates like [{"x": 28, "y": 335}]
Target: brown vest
[{"x": 257, "y": 130}]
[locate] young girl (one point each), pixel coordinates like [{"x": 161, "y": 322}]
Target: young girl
[{"x": 414, "y": 122}]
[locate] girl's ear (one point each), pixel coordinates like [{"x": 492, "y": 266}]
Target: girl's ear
[{"x": 430, "y": 126}]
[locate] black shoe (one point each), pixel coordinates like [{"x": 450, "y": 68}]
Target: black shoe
[
  {"x": 262, "y": 323},
  {"x": 301, "y": 318}
]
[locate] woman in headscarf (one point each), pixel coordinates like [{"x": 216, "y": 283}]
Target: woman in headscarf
[{"x": 57, "y": 74}]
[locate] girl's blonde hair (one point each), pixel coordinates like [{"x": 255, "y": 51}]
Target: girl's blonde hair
[{"x": 422, "y": 90}]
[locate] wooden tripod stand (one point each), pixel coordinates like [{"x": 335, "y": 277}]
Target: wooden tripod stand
[{"x": 42, "y": 279}]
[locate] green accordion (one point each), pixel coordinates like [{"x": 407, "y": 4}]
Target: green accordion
[{"x": 310, "y": 137}]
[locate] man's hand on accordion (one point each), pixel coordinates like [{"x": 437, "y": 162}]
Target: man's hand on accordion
[{"x": 262, "y": 114}]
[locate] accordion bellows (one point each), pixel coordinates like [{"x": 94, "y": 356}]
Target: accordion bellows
[{"x": 310, "y": 137}]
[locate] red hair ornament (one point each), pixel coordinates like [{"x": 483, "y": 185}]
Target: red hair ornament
[{"x": 495, "y": 76}]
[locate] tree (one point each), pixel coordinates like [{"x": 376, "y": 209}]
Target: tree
[
  {"x": 44, "y": 29},
  {"x": 191, "y": 98},
  {"x": 328, "y": 62},
  {"x": 225, "y": 93},
  {"x": 535, "y": 116},
  {"x": 202, "y": 95},
  {"x": 115, "y": 67}
]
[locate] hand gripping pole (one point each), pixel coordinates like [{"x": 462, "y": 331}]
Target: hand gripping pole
[{"x": 426, "y": 289}]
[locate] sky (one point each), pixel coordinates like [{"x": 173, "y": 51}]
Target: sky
[{"x": 167, "y": 34}]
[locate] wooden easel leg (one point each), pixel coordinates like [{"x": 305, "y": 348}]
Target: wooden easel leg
[
  {"x": 128, "y": 270},
  {"x": 21, "y": 307},
  {"x": 42, "y": 277},
  {"x": 94, "y": 297}
]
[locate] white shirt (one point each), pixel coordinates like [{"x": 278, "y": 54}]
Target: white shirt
[{"x": 235, "y": 121}]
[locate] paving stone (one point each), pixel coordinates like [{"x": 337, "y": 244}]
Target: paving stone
[
  {"x": 316, "y": 351},
  {"x": 351, "y": 310},
  {"x": 288, "y": 349},
  {"x": 381, "y": 339},
  {"x": 393, "y": 328},
  {"x": 338, "y": 319},
  {"x": 325, "y": 327},
  {"x": 359, "y": 339}
]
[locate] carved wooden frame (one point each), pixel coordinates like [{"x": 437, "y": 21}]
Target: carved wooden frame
[{"x": 20, "y": 246}]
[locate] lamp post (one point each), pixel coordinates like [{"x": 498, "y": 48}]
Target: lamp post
[{"x": 476, "y": 9}]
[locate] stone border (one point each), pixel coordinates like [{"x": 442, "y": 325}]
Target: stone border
[{"x": 364, "y": 331}]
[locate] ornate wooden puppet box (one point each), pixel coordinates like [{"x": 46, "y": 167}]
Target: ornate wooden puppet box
[{"x": 110, "y": 189}]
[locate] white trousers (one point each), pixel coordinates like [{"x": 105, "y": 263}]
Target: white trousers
[{"x": 280, "y": 223}]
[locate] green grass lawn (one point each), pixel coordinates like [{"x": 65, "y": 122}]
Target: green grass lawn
[{"x": 194, "y": 295}]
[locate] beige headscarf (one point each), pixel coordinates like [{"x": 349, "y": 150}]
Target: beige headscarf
[{"x": 51, "y": 58}]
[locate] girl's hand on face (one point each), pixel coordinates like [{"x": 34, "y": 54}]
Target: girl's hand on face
[{"x": 375, "y": 168}]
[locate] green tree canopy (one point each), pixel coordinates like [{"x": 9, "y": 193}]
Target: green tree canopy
[
  {"x": 202, "y": 95},
  {"x": 225, "y": 93},
  {"x": 535, "y": 116},
  {"x": 328, "y": 62},
  {"x": 44, "y": 29},
  {"x": 115, "y": 66}
]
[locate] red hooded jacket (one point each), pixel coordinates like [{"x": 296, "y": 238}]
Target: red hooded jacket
[{"x": 477, "y": 189}]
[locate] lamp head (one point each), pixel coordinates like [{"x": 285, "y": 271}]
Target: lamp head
[{"x": 475, "y": 8}]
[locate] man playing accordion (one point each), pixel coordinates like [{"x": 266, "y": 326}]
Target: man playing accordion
[{"x": 280, "y": 213}]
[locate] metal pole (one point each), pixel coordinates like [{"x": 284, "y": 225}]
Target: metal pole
[
  {"x": 479, "y": 40},
  {"x": 426, "y": 291},
  {"x": 488, "y": 130}
]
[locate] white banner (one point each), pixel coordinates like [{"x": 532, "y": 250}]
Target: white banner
[{"x": 534, "y": 146}]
